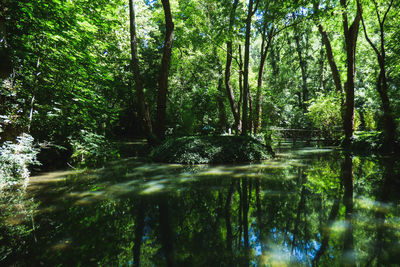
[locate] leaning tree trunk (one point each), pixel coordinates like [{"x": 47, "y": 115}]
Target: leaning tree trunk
[
  {"x": 331, "y": 60},
  {"x": 164, "y": 71},
  {"x": 264, "y": 52},
  {"x": 143, "y": 109},
  {"x": 382, "y": 85},
  {"x": 350, "y": 35}
]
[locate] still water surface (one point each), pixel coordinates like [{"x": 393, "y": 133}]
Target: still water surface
[{"x": 308, "y": 207}]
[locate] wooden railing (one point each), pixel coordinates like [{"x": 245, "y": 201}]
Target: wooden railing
[{"x": 308, "y": 135}]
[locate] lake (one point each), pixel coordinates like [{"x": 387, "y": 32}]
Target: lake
[{"x": 307, "y": 207}]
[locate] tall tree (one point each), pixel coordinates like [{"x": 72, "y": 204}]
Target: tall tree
[
  {"x": 350, "y": 41},
  {"x": 143, "y": 108},
  {"x": 266, "y": 38},
  {"x": 229, "y": 55},
  {"x": 220, "y": 100},
  {"x": 382, "y": 84},
  {"x": 303, "y": 67},
  {"x": 164, "y": 71},
  {"x": 329, "y": 53},
  {"x": 350, "y": 36},
  {"x": 246, "y": 90}
]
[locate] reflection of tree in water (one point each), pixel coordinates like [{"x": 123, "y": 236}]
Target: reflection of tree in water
[
  {"x": 301, "y": 214},
  {"x": 348, "y": 239},
  {"x": 272, "y": 221},
  {"x": 387, "y": 190}
]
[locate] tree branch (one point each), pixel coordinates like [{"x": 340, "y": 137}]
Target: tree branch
[
  {"x": 387, "y": 11},
  {"x": 365, "y": 32},
  {"x": 255, "y": 8}
]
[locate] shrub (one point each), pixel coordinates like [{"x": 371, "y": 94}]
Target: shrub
[
  {"x": 15, "y": 159},
  {"x": 91, "y": 149},
  {"x": 368, "y": 142},
  {"x": 210, "y": 149},
  {"x": 325, "y": 114}
]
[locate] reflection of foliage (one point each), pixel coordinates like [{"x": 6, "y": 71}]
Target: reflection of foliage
[
  {"x": 324, "y": 178},
  {"x": 16, "y": 223},
  {"x": 290, "y": 204}
]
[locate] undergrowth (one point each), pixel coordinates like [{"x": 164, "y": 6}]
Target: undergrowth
[{"x": 210, "y": 150}]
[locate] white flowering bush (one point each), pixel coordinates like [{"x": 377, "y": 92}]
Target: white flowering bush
[{"x": 15, "y": 159}]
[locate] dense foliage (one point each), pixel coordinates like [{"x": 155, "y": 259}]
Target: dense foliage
[
  {"x": 211, "y": 149},
  {"x": 180, "y": 66},
  {"x": 90, "y": 149}
]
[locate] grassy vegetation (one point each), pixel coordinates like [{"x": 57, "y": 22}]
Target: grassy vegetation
[{"x": 211, "y": 150}]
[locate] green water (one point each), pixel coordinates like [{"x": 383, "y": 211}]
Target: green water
[{"x": 307, "y": 207}]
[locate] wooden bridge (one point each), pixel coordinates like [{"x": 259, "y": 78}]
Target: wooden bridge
[{"x": 307, "y": 135}]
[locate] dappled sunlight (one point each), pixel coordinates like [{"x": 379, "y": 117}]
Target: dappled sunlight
[
  {"x": 339, "y": 226},
  {"x": 61, "y": 245},
  {"x": 276, "y": 256},
  {"x": 88, "y": 197},
  {"x": 296, "y": 209},
  {"x": 51, "y": 177},
  {"x": 276, "y": 193},
  {"x": 16, "y": 219},
  {"x": 216, "y": 171},
  {"x": 153, "y": 188},
  {"x": 374, "y": 205}
]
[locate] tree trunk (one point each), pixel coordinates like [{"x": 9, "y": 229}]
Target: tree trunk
[
  {"x": 348, "y": 238},
  {"x": 240, "y": 79},
  {"x": 228, "y": 85},
  {"x": 228, "y": 207},
  {"x": 321, "y": 82},
  {"x": 325, "y": 230},
  {"x": 6, "y": 66},
  {"x": 350, "y": 34},
  {"x": 166, "y": 231},
  {"x": 251, "y": 122},
  {"x": 382, "y": 86},
  {"x": 220, "y": 102},
  {"x": 34, "y": 89},
  {"x": 245, "y": 119},
  {"x": 143, "y": 108},
  {"x": 245, "y": 219},
  {"x": 303, "y": 68},
  {"x": 139, "y": 229},
  {"x": 264, "y": 52},
  {"x": 164, "y": 71},
  {"x": 389, "y": 122},
  {"x": 331, "y": 59}
]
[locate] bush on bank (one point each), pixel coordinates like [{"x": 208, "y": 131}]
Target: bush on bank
[{"x": 211, "y": 150}]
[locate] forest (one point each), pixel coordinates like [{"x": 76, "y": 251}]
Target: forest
[{"x": 286, "y": 96}]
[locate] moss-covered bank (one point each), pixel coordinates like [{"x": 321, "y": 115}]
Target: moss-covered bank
[{"x": 211, "y": 150}]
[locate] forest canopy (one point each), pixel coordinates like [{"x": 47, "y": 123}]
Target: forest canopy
[{"x": 127, "y": 69}]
